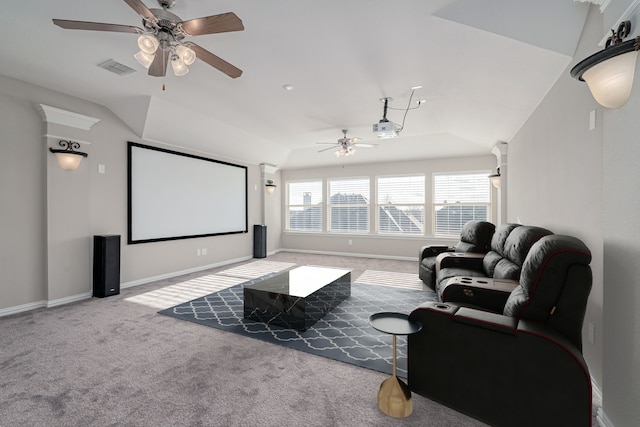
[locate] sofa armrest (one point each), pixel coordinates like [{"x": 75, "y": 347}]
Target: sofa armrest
[
  {"x": 487, "y": 320},
  {"x": 467, "y": 260},
  {"x": 433, "y": 250},
  {"x": 498, "y": 369},
  {"x": 478, "y": 292}
]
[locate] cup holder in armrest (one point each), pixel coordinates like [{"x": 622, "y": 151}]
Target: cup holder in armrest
[{"x": 443, "y": 306}]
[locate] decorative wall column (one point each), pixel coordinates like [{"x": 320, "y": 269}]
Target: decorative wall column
[
  {"x": 500, "y": 151},
  {"x": 68, "y": 244},
  {"x": 270, "y": 202}
]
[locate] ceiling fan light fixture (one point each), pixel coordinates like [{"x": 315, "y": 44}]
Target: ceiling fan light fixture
[
  {"x": 179, "y": 69},
  {"x": 144, "y": 59},
  {"x": 187, "y": 54},
  {"x": 148, "y": 43}
]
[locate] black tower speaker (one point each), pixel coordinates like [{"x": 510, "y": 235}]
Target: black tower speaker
[
  {"x": 106, "y": 265},
  {"x": 259, "y": 241}
]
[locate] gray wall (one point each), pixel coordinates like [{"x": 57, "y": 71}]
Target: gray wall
[
  {"x": 621, "y": 235},
  {"x": 384, "y": 246},
  {"x": 586, "y": 182},
  {"x": 555, "y": 179},
  {"x": 33, "y": 194}
]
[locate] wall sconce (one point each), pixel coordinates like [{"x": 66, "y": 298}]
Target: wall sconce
[
  {"x": 609, "y": 73},
  {"x": 270, "y": 186},
  {"x": 68, "y": 158},
  {"x": 495, "y": 179}
]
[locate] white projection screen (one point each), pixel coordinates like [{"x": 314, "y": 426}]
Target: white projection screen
[{"x": 174, "y": 195}]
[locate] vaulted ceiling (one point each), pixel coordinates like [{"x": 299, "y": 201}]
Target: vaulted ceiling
[{"x": 484, "y": 66}]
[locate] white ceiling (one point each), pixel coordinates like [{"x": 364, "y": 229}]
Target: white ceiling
[{"x": 484, "y": 66}]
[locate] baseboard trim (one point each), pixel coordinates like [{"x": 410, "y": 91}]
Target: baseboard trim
[
  {"x": 22, "y": 308},
  {"x": 602, "y": 419},
  {"x": 356, "y": 255},
  {"x": 68, "y": 300},
  {"x": 146, "y": 280},
  {"x": 44, "y": 304}
]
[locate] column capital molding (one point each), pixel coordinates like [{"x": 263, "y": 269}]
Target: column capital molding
[{"x": 66, "y": 118}]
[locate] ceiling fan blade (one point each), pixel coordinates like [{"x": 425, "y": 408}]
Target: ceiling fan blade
[
  {"x": 158, "y": 67},
  {"x": 215, "y": 61},
  {"x": 96, "y": 26},
  {"x": 365, "y": 145},
  {"x": 142, "y": 10},
  {"x": 222, "y": 23},
  {"x": 328, "y": 148}
]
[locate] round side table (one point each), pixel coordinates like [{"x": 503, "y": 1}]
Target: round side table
[{"x": 394, "y": 396}]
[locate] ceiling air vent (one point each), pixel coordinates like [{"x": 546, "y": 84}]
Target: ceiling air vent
[{"x": 116, "y": 67}]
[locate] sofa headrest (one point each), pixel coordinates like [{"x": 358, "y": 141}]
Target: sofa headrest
[
  {"x": 475, "y": 237},
  {"x": 520, "y": 241},
  {"x": 500, "y": 237},
  {"x": 544, "y": 274}
]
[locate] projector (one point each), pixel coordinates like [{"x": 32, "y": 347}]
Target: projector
[{"x": 385, "y": 130}]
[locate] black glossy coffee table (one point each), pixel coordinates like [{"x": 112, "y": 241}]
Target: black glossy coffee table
[
  {"x": 394, "y": 396},
  {"x": 298, "y": 298}
]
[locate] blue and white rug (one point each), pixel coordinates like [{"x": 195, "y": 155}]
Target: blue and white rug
[{"x": 344, "y": 334}]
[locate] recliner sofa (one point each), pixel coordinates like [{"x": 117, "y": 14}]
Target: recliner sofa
[
  {"x": 521, "y": 365},
  {"x": 475, "y": 237},
  {"x": 499, "y": 268}
]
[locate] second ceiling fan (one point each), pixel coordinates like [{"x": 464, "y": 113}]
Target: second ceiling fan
[{"x": 345, "y": 146}]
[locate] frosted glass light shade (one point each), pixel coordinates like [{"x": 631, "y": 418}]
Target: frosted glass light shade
[
  {"x": 148, "y": 43},
  {"x": 68, "y": 161},
  {"x": 179, "y": 69},
  {"x": 270, "y": 187},
  {"x": 187, "y": 55},
  {"x": 610, "y": 81},
  {"x": 144, "y": 59}
]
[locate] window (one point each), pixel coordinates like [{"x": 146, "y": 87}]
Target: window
[
  {"x": 349, "y": 205},
  {"x": 304, "y": 206},
  {"x": 401, "y": 204},
  {"x": 458, "y": 198}
]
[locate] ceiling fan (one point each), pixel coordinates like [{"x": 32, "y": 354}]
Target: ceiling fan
[
  {"x": 345, "y": 146},
  {"x": 161, "y": 39}
]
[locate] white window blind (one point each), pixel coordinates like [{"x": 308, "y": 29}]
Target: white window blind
[
  {"x": 304, "y": 206},
  {"x": 401, "y": 204},
  {"x": 459, "y": 198},
  {"x": 349, "y": 205}
]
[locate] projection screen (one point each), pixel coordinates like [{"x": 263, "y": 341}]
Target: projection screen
[{"x": 175, "y": 195}]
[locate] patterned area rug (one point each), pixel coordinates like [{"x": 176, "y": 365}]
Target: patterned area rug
[{"x": 343, "y": 334}]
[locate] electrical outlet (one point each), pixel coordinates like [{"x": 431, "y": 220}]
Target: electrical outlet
[
  {"x": 591, "y": 333},
  {"x": 198, "y": 252},
  {"x": 204, "y": 251},
  {"x": 350, "y": 242}
]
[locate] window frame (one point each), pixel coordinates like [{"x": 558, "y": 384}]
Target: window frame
[
  {"x": 288, "y": 206},
  {"x": 422, "y": 205},
  {"x": 435, "y": 205},
  {"x": 366, "y": 206}
]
